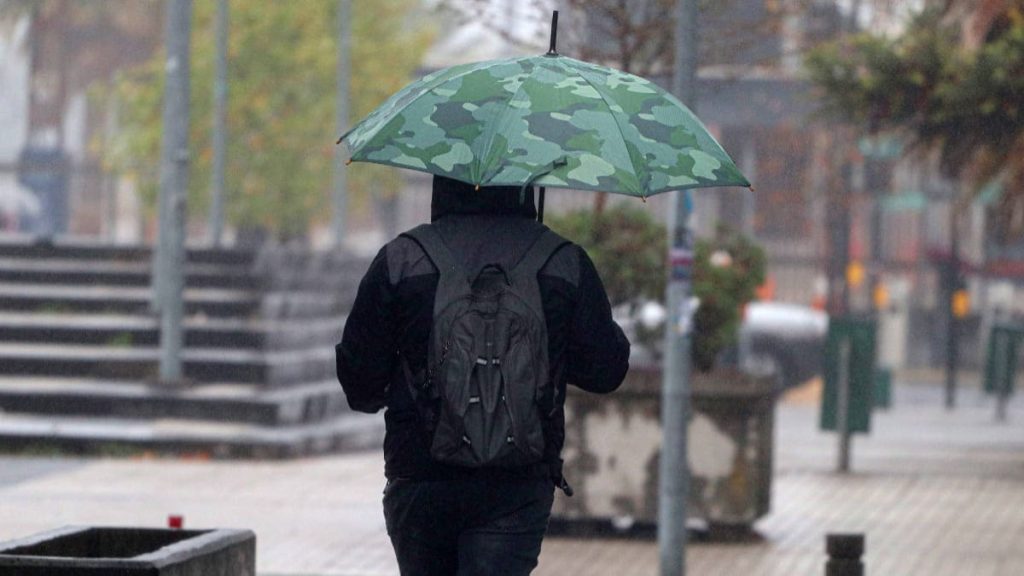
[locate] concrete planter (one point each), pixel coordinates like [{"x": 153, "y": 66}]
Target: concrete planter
[
  {"x": 83, "y": 550},
  {"x": 613, "y": 446}
]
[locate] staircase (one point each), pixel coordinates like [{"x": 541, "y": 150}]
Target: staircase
[{"x": 79, "y": 353}]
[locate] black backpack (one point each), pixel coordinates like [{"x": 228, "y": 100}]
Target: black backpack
[{"x": 487, "y": 359}]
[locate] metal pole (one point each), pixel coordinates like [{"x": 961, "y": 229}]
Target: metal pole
[
  {"x": 109, "y": 178},
  {"x": 1001, "y": 350},
  {"x": 749, "y": 202},
  {"x": 853, "y": 24},
  {"x": 843, "y": 406},
  {"x": 344, "y": 53},
  {"x": 952, "y": 322},
  {"x": 840, "y": 205},
  {"x": 673, "y": 485},
  {"x": 220, "y": 112},
  {"x": 857, "y": 187},
  {"x": 166, "y": 168},
  {"x": 173, "y": 188},
  {"x": 749, "y": 209},
  {"x": 876, "y": 268}
]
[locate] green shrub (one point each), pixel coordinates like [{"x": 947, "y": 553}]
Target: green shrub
[
  {"x": 628, "y": 248},
  {"x": 727, "y": 271}
]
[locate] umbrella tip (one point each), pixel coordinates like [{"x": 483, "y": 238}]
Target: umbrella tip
[
  {"x": 347, "y": 162},
  {"x": 554, "y": 33},
  {"x": 751, "y": 187},
  {"x": 339, "y": 140},
  {"x": 477, "y": 189}
]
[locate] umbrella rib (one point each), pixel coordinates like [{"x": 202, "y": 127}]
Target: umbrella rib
[
  {"x": 488, "y": 141},
  {"x": 622, "y": 136}
]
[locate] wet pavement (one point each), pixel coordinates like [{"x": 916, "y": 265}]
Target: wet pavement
[
  {"x": 935, "y": 492},
  {"x": 22, "y": 470}
]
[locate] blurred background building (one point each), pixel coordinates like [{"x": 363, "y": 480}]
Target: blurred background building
[
  {"x": 817, "y": 189},
  {"x": 851, "y": 221}
]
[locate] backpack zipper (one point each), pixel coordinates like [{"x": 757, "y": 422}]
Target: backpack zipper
[{"x": 444, "y": 356}]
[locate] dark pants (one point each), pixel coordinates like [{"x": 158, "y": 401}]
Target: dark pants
[{"x": 467, "y": 527}]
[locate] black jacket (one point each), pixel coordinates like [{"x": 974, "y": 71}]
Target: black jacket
[{"x": 393, "y": 311}]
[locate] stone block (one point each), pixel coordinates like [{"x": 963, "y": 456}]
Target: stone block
[
  {"x": 613, "y": 443},
  {"x": 86, "y": 550}
]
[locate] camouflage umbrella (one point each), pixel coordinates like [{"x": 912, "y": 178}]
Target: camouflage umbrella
[{"x": 547, "y": 120}]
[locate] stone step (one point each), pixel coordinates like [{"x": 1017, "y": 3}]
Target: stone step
[
  {"x": 137, "y": 330},
  {"x": 271, "y": 369},
  {"x": 21, "y": 246},
  {"x": 121, "y": 300},
  {"x": 132, "y": 401},
  {"x": 60, "y": 271},
  {"x": 199, "y": 302},
  {"x": 346, "y": 432}
]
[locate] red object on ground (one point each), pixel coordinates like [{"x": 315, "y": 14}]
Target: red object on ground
[{"x": 175, "y": 521}]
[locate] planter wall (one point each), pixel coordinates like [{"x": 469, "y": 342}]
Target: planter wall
[
  {"x": 83, "y": 551},
  {"x": 613, "y": 444}
]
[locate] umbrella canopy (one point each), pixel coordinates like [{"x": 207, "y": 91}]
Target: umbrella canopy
[{"x": 546, "y": 120}]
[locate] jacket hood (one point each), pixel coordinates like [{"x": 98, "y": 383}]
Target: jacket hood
[{"x": 456, "y": 197}]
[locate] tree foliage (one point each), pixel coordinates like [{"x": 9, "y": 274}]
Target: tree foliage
[
  {"x": 616, "y": 236},
  {"x": 627, "y": 246},
  {"x": 281, "y": 106},
  {"x": 967, "y": 104}
]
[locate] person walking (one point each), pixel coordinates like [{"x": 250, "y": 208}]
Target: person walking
[{"x": 467, "y": 330}]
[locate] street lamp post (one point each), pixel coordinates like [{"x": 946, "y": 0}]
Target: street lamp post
[
  {"x": 675, "y": 395},
  {"x": 343, "y": 95},
  {"x": 220, "y": 105},
  {"x": 170, "y": 253}
]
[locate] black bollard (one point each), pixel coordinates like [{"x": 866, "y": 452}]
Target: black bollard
[{"x": 844, "y": 554}]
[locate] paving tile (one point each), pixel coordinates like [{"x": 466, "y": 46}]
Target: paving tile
[{"x": 935, "y": 493}]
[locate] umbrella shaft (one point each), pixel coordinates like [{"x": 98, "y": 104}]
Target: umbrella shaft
[{"x": 554, "y": 32}]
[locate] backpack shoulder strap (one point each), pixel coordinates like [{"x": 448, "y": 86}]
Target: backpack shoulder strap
[
  {"x": 543, "y": 248},
  {"x": 524, "y": 275},
  {"x": 434, "y": 247},
  {"x": 453, "y": 282}
]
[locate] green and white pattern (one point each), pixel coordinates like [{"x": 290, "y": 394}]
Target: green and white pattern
[{"x": 552, "y": 120}]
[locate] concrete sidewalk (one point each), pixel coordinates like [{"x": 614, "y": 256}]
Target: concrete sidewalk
[{"x": 935, "y": 492}]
